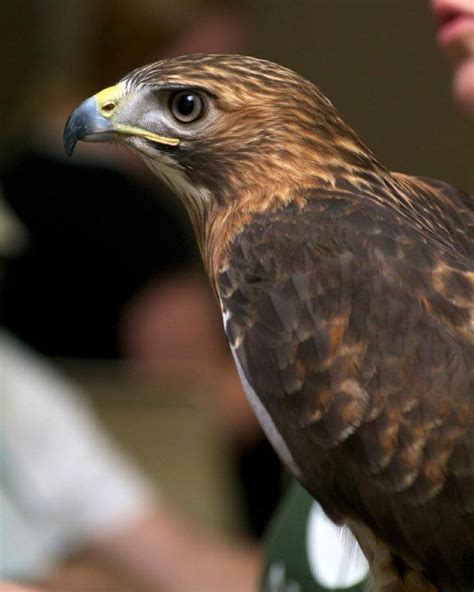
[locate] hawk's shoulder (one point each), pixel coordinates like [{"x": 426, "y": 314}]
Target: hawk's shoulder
[
  {"x": 355, "y": 330},
  {"x": 359, "y": 325},
  {"x": 448, "y": 209}
]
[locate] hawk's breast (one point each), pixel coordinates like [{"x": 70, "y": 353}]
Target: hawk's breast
[{"x": 263, "y": 416}]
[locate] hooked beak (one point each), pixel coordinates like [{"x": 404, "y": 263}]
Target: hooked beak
[{"x": 93, "y": 121}]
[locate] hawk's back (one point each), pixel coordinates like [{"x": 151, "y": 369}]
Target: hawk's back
[{"x": 352, "y": 324}]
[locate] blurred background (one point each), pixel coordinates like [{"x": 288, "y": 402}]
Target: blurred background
[{"x": 99, "y": 270}]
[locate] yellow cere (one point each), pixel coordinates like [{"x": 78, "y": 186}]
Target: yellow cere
[{"x": 108, "y": 99}]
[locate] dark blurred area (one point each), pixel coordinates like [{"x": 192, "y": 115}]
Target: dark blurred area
[{"x": 108, "y": 281}]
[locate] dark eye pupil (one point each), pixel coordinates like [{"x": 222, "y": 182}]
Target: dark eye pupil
[{"x": 186, "y": 104}]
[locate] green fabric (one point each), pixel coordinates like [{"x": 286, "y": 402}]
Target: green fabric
[{"x": 286, "y": 564}]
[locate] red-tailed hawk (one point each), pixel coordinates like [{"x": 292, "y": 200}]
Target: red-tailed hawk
[{"x": 347, "y": 293}]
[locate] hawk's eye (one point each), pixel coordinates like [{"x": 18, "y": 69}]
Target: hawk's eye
[{"x": 187, "y": 106}]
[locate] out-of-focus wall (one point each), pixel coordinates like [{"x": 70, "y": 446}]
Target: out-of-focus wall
[{"x": 378, "y": 62}]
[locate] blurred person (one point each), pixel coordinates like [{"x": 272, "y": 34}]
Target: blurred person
[{"x": 66, "y": 486}]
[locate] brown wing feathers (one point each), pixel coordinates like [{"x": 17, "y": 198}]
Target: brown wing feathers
[{"x": 338, "y": 318}]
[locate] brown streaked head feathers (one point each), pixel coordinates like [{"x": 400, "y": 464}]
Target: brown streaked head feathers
[
  {"x": 271, "y": 126},
  {"x": 271, "y": 135},
  {"x": 265, "y": 132}
]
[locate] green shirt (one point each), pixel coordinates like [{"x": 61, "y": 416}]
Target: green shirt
[{"x": 306, "y": 552}]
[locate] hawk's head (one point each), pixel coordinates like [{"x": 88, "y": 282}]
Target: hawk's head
[
  {"x": 216, "y": 127},
  {"x": 231, "y": 135}
]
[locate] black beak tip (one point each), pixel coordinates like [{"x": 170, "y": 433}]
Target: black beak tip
[
  {"x": 70, "y": 136},
  {"x": 86, "y": 123}
]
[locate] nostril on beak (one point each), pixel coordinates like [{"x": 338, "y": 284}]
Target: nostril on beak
[{"x": 108, "y": 108}]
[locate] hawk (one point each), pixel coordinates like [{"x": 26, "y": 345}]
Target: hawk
[{"x": 347, "y": 293}]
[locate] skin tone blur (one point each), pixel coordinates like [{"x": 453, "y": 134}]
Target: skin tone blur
[
  {"x": 455, "y": 35},
  {"x": 160, "y": 552}
]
